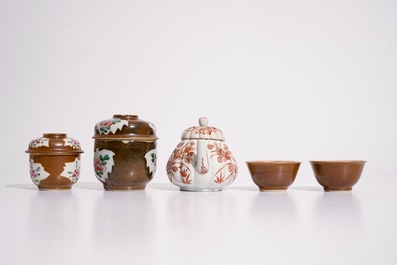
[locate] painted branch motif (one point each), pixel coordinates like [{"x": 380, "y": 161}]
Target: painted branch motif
[
  {"x": 180, "y": 169},
  {"x": 180, "y": 162},
  {"x": 203, "y": 130},
  {"x": 224, "y": 157}
]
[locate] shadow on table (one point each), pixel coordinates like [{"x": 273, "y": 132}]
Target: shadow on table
[
  {"x": 256, "y": 189},
  {"x": 337, "y": 211},
  {"x": 124, "y": 221},
  {"x": 171, "y": 187},
  {"x": 307, "y": 188},
  {"x": 89, "y": 185},
  {"x": 99, "y": 186},
  {"x": 162, "y": 186},
  {"x": 22, "y": 186},
  {"x": 243, "y": 188},
  {"x": 80, "y": 185}
]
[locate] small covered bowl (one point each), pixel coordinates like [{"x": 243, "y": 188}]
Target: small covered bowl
[
  {"x": 54, "y": 161},
  {"x": 125, "y": 152},
  {"x": 202, "y": 161}
]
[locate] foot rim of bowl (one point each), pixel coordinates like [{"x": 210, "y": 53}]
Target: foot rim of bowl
[
  {"x": 338, "y": 189},
  {"x": 54, "y": 189},
  {"x": 125, "y": 188},
  {"x": 273, "y": 189},
  {"x": 200, "y": 189}
]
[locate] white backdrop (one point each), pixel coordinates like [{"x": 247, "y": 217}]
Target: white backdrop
[{"x": 295, "y": 80}]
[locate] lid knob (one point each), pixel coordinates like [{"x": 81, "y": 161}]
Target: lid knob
[{"x": 203, "y": 121}]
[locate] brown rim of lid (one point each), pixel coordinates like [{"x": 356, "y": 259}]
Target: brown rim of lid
[
  {"x": 125, "y": 128},
  {"x": 54, "y": 144}
]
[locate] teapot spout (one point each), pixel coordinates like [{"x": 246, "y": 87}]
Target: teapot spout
[{"x": 202, "y": 164}]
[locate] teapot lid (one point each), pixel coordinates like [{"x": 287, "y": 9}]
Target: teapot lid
[
  {"x": 203, "y": 131},
  {"x": 125, "y": 127}
]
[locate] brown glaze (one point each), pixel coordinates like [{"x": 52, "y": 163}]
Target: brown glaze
[
  {"x": 128, "y": 169},
  {"x": 273, "y": 175},
  {"x": 337, "y": 175},
  {"x": 54, "y": 164},
  {"x": 56, "y": 145},
  {"x": 48, "y": 158},
  {"x": 138, "y": 130}
]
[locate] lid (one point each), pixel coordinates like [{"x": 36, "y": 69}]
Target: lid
[
  {"x": 125, "y": 127},
  {"x": 54, "y": 144},
  {"x": 203, "y": 132}
]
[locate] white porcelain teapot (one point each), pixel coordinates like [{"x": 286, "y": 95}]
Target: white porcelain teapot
[{"x": 202, "y": 161}]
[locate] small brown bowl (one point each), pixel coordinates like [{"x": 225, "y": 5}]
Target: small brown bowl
[
  {"x": 273, "y": 175},
  {"x": 337, "y": 175}
]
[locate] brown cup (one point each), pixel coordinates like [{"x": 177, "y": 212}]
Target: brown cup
[
  {"x": 273, "y": 175},
  {"x": 337, "y": 175},
  {"x": 54, "y": 161}
]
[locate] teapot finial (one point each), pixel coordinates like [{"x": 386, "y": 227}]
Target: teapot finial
[{"x": 203, "y": 121}]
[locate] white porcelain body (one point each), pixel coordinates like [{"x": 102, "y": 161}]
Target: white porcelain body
[{"x": 202, "y": 165}]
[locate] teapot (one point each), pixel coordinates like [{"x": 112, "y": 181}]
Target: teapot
[{"x": 202, "y": 161}]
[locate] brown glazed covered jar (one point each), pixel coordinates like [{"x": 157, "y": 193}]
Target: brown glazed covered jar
[
  {"x": 54, "y": 161},
  {"x": 125, "y": 152}
]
